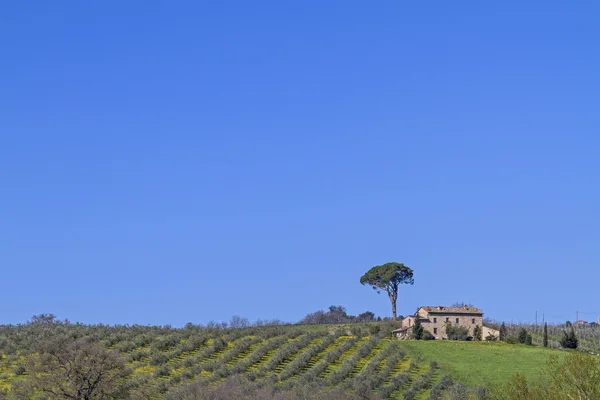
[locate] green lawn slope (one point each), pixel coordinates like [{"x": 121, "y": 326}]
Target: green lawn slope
[{"x": 480, "y": 363}]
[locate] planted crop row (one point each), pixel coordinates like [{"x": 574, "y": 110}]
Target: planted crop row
[
  {"x": 379, "y": 368},
  {"x": 372, "y": 367},
  {"x": 400, "y": 382},
  {"x": 262, "y": 353},
  {"x": 286, "y": 351},
  {"x": 318, "y": 369},
  {"x": 350, "y": 363},
  {"x": 302, "y": 360},
  {"x": 421, "y": 383},
  {"x": 438, "y": 389}
]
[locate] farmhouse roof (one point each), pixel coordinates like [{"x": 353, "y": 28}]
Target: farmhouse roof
[{"x": 452, "y": 310}]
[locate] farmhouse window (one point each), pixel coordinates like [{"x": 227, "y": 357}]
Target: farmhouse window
[
  {"x": 457, "y": 320},
  {"x": 434, "y": 320},
  {"x": 447, "y": 319},
  {"x": 434, "y": 330},
  {"x": 473, "y": 320}
]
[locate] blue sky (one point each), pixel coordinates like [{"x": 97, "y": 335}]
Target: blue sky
[{"x": 165, "y": 162}]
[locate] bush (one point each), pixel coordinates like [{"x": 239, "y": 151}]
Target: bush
[
  {"x": 158, "y": 359},
  {"x": 522, "y": 336},
  {"x": 20, "y": 370},
  {"x": 512, "y": 339},
  {"x": 374, "y": 329},
  {"x": 458, "y": 391},
  {"x": 503, "y": 335},
  {"x": 396, "y": 382},
  {"x": 529, "y": 340},
  {"x": 438, "y": 389},
  {"x": 575, "y": 376},
  {"x": 457, "y": 332},
  {"x": 417, "y": 330},
  {"x": 428, "y": 335},
  {"x": 478, "y": 332},
  {"x": 165, "y": 343},
  {"x": 569, "y": 340},
  {"x": 491, "y": 338},
  {"x": 162, "y": 371}
]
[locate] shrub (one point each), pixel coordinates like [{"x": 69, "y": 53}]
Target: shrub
[
  {"x": 162, "y": 371},
  {"x": 126, "y": 346},
  {"x": 569, "y": 340},
  {"x": 356, "y": 331},
  {"x": 417, "y": 330},
  {"x": 491, "y": 338},
  {"x": 529, "y": 340},
  {"x": 158, "y": 359},
  {"x": 503, "y": 332},
  {"x": 457, "y": 332},
  {"x": 165, "y": 343},
  {"x": 512, "y": 339},
  {"x": 428, "y": 335},
  {"x": 374, "y": 329},
  {"x": 438, "y": 389},
  {"x": 576, "y": 376},
  {"x": 477, "y": 332},
  {"x": 522, "y": 336},
  {"x": 458, "y": 391},
  {"x": 20, "y": 369}
]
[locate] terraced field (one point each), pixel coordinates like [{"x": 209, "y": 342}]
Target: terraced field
[
  {"x": 163, "y": 360},
  {"x": 160, "y": 363}
]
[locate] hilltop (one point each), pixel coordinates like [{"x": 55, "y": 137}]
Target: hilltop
[{"x": 361, "y": 357}]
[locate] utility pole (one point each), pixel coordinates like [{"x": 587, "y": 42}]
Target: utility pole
[
  {"x": 536, "y": 318},
  {"x": 577, "y": 316},
  {"x": 543, "y": 319}
]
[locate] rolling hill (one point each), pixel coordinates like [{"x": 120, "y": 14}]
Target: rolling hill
[{"x": 163, "y": 359}]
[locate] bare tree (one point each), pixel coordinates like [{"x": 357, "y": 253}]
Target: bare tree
[{"x": 81, "y": 369}]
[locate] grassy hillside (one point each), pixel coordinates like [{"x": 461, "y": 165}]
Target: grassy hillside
[
  {"x": 165, "y": 359},
  {"x": 480, "y": 363}
]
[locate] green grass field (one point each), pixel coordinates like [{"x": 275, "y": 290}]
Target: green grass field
[
  {"x": 480, "y": 363},
  {"x": 162, "y": 361}
]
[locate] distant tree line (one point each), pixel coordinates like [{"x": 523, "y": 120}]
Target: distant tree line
[
  {"x": 568, "y": 339},
  {"x": 338, "y": 315}
]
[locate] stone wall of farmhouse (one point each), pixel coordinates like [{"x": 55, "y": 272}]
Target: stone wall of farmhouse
[
  {"x": 489, "y": 331},
  {"x": 436, "y": 323},
  {"x": 408, "y": 321}
]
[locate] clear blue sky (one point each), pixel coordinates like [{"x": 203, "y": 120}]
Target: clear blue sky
[{"x": 165, "y": 162}]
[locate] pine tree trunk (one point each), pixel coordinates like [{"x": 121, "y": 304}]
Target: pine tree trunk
[{"x": 393, "y": 296}]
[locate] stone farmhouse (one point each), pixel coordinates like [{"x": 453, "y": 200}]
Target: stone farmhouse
[{"x": 435, "y": 318}]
